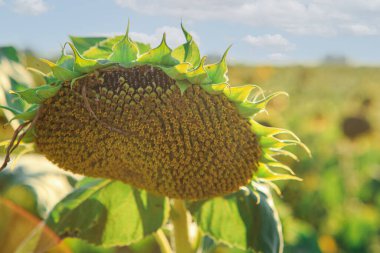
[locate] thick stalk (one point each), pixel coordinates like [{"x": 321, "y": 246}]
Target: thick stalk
[{"x": 180, "y": 222}]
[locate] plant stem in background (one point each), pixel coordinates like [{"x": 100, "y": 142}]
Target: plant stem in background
[
  {"x": 180, "y": 223},
  {"x": 162, "y": 241}
]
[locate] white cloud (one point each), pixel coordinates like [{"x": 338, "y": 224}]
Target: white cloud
[
  {"x": 313, "y": 17},
  {"x": 30, "y": 7},
  {"x": 276, "y": 41},
  {"x": 174, "y": 36},
  {"x": 277, "y": 57},
  {"x": 359, "y": 29}
]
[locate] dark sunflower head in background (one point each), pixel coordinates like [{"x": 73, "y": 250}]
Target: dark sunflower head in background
[{"x": 156, "y": 118}]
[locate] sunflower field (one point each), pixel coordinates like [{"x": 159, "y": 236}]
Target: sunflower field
[{"x": 118, "y": 146}]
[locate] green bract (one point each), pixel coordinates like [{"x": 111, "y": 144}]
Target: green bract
[{"x": 183, "y": 64}]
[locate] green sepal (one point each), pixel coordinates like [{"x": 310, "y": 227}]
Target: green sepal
[
  {"x": 273, "y": 142},
  {"x": 270, "y": 131},
  {"x": 183, "y": 85},
  {"x": 217, "y": 72},
  {"x": 66, "y": 61},
  {"x": 30, "y": 136},
  {"x": 125, "y": 51},
  {"x": 261, "y": 104},
  {"x": 29, "y": 114},
  {"x": 271, "y": 153},
  {"x": 48, "y": 78},
  {"x": 239, "y": 93},
  {"x": 188, "y": 52},
  {"x": 143, "y": 47},
  {"x": 12, "y": 110},
  {"x": 61, "y": 73},
  {"x": 198, "y": 75},
  {"x": 160, "y": 55},
  {"x": 247, "y": 109},
  {"x": 179, "y": 71},
  {"x": 103, "y": 49},
  {"x": 265, "y": 173},
  {"x": 280, "y": 165},
  {"x": 84, "y": 43},
  {"x": 37, "y": 95},
  {"x": 81, "y": 64},
  {"x": 217, "y": 88}
]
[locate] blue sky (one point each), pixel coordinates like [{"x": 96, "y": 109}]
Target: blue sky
[{"x": 261, "y": 31}]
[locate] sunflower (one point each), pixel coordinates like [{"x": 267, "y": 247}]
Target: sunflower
[{"x": 156, "y": 118}]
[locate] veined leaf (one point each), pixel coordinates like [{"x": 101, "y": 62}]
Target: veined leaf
[
  {"x": 108, "y": 213},
  {"x": 238, "y": 220}
]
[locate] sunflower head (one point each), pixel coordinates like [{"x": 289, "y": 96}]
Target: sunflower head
[{"x": 156, "y": 118}]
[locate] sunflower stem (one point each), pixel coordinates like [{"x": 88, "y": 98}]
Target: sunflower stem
[
  {"x": 162, "y": 242},
  {"x": 180, "y": 221}
]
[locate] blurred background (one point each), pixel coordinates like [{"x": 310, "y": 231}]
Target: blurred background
[{"x": 324, "y": 54}]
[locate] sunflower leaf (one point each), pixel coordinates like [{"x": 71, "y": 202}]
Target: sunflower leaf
[
  {"x": 239, "y": 221},
  {"x": 108, "y": 213}
]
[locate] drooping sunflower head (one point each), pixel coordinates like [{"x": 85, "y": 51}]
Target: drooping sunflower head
[{"x": 156, "y": 118}]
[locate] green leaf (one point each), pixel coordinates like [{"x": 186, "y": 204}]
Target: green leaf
[
  {"x": 160, "y": 55},
  {"x": 217, "y": 72},
  {"x": 239, "y": 221},
  {"x": 27, "y": 184},
  {"x": 38, "y": 95},
  {"x": 13, "y": 76},
  {"x": 108, "y": 213},
  {"x": 125, "y": 51},
  {"x": 188, "y": 52},
  {"x": 9, "y": 53},
  {"x": 84, "y": 43}
]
